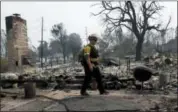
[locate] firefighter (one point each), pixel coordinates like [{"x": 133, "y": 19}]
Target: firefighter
[{"x": 90, "y": 64}]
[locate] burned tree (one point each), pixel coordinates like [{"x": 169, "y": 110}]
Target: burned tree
[
  {"x": 75, "y": 44},
  {"x": 55, "y": 47},
  {"x": 163, "y": 32},
  {"x": 59, "y": 33},
  {"x": 136, "y": 20}
]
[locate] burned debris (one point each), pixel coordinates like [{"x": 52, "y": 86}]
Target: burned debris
[{"x": 114, "y": 77}]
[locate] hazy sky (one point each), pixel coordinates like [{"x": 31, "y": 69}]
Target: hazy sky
[{"x": 75, "y": 16}]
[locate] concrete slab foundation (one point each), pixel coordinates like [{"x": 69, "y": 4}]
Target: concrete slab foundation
[{"x": 93, "y": 103}]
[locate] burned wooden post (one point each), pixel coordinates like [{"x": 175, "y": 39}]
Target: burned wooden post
[
  {"x": 30, "y": 89},
  {"x": 119, "y": 64},
  {"x": 51, "y": 61},
  {"x": 128, "y": 60},
  {"x": 57, "y": 60}
]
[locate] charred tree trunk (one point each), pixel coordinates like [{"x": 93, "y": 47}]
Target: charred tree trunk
[
  {"x": 139, "y": 49},
  {"x": 51, "y": 60},
  {"x": 64, "y": 55},
  {"x": 64, "y": 58},
  {"x": 73, "y": 57},
  {"x": 45, "y": 59},
  {"x": 57, "y": 61}
]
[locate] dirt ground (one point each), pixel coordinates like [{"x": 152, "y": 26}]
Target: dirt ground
[{"x": 149, "y": 101}]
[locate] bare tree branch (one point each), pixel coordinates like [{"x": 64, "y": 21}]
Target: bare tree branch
[
  {"x": 95, "y": 4},
  {"x": 126, "y": 27},
  {"x": 154, "y": 27},
  {"x": 98, "y": 13},
  {"x": 168, "y": 23}
]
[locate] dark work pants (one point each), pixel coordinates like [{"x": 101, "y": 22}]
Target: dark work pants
[{"x": 88, "y": 75}]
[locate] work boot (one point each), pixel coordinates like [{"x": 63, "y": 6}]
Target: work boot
[
  {"x": 84, "y": 94},
  {"x": 104, "y": 93}
]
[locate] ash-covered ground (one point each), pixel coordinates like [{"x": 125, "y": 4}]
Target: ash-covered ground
[{"x": 159, "y": 92}]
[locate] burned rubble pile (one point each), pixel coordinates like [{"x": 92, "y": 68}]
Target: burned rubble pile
[
  {"x": 165, "y": 72},
  {"x": 116, "y": 75},
  {"x": 158, "y": 73}
]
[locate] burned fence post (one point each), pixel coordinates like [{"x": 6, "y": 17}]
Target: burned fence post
[
  {"x": 51, "y": 61},
  {"x": 128, "y": 60}
]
